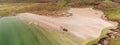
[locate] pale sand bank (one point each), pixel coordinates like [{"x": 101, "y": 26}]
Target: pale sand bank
[{"x": 85, "y": 23}]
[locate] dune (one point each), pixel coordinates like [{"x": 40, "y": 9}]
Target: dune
[{"x": 85, "y": 23}]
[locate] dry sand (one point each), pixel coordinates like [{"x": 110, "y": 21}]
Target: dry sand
[{"x": 85, "y": 23}]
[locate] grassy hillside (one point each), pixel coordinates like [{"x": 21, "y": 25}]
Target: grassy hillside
[{"x": 14, "y": 31}]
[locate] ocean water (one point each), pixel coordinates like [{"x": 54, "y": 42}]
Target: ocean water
[{"x": 14, "y": 31}]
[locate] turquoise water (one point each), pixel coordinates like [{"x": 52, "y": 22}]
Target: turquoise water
[{"x": 14, "y": 31}]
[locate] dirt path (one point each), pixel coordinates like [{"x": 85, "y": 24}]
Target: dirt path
[{"x": 85, "y": 23}]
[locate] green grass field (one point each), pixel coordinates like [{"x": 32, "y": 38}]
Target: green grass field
[{"x": 14, "y": 31}]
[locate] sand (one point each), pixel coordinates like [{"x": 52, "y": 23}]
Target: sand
[{"x": 85, "y": 23}]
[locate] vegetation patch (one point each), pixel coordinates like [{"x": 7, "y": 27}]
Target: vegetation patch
[
  {"x": 111, "y": 9},
  {"x": 115, "y": 41},
  {"x": 52, "y": 9},
  {"x": 10, "y": 8}
]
